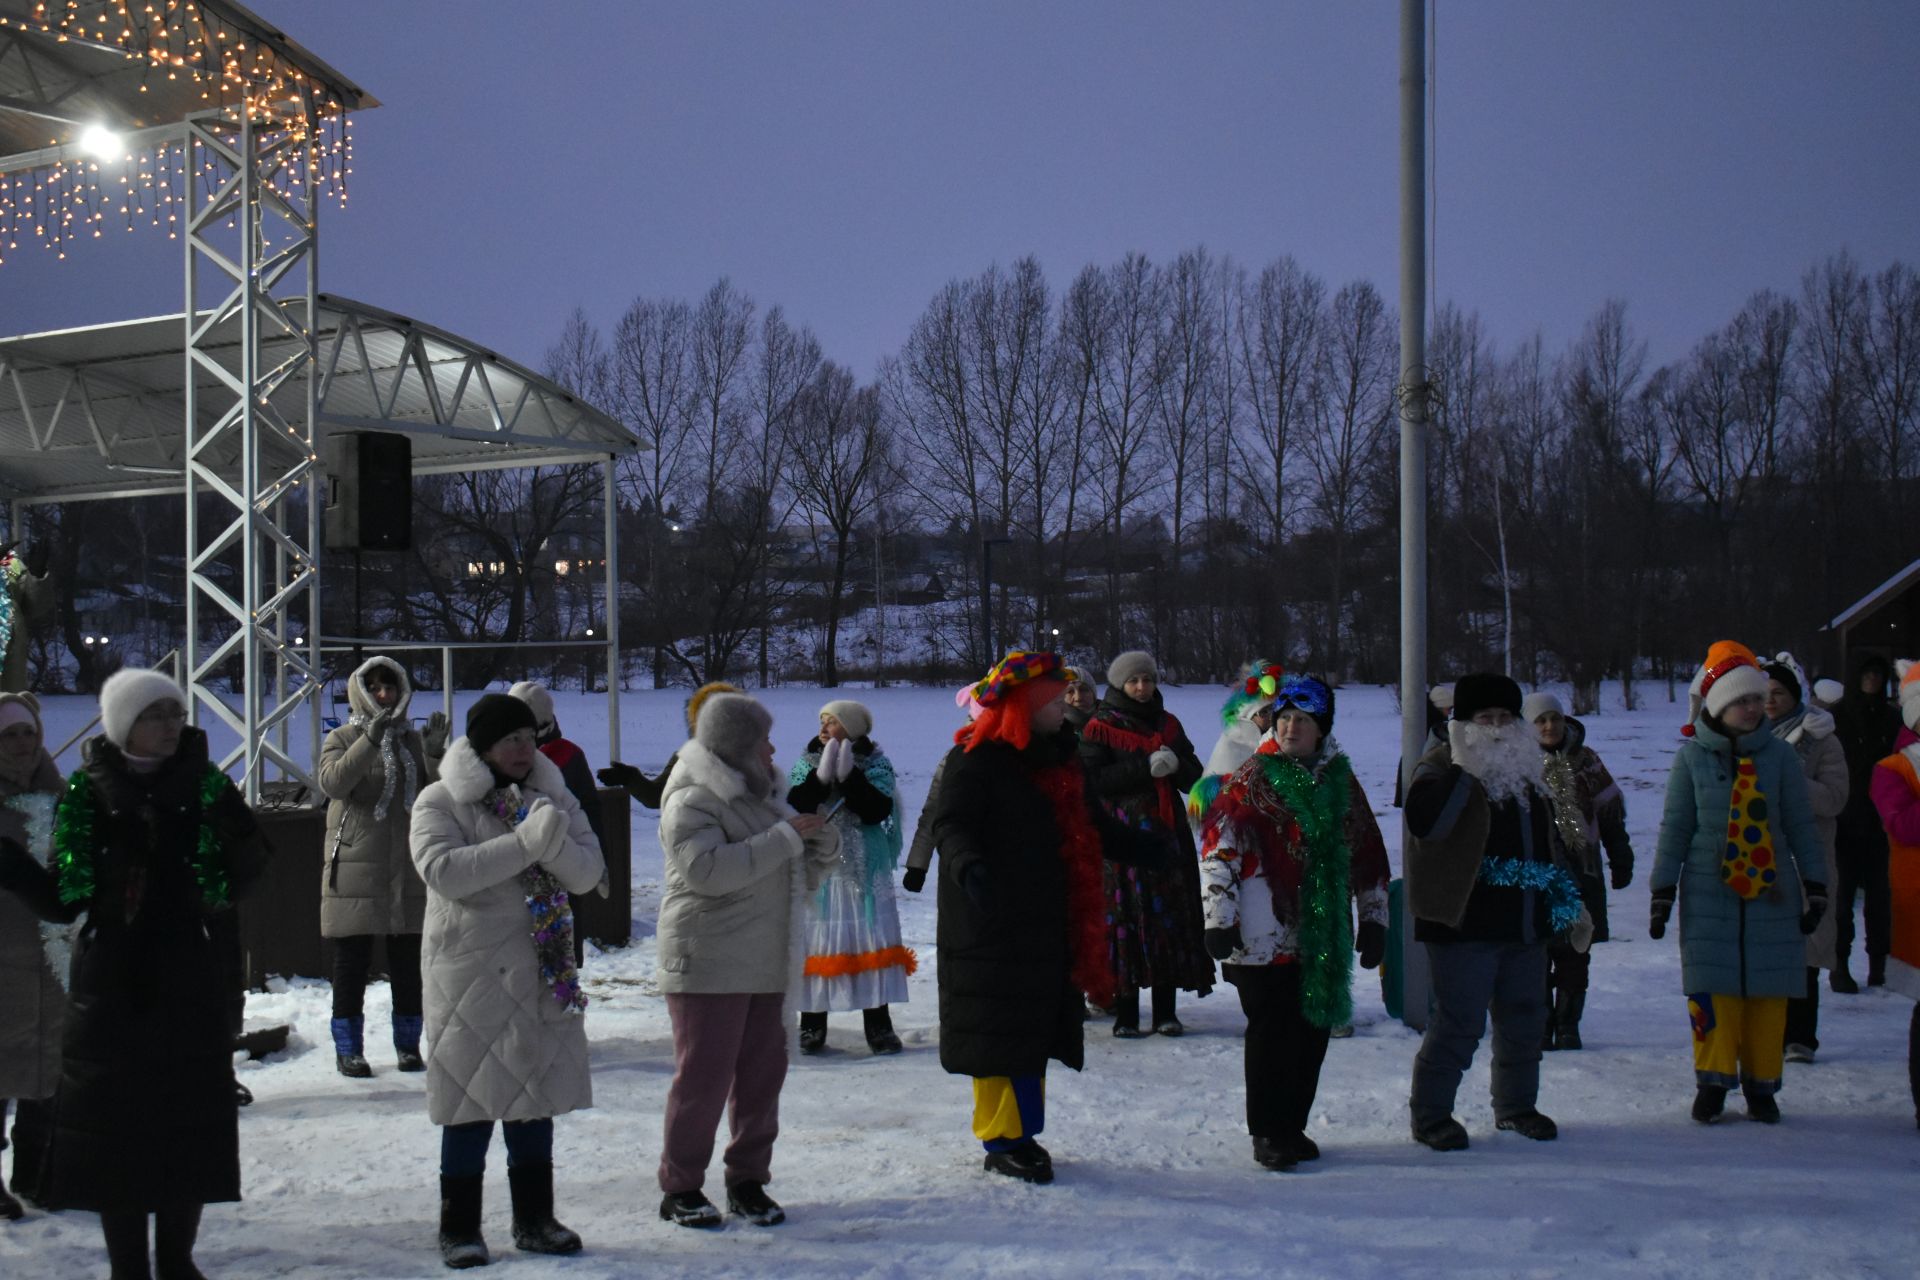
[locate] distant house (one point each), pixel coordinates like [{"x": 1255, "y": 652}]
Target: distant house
[
  {"x": 1885, "y": 621},
  {"x": 928, "y": 588}
]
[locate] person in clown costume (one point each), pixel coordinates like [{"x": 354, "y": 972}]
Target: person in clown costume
[
  {"x": 1896, "y": 798},
  {"x": 1289, "y": 848},
  {"x": 1245, "y": 718},
  {"x": 1740, "y": 851},
  {"x": 855, "y": 956}
]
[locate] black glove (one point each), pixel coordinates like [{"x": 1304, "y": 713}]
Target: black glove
[
  {"x": 915, "y": 880},
  {"x": 620, "y": 775},
  {"x": 1622, "y": 873},
  {"x": 1660, "y": 908},
  {"x": 433, "y": 739},
  {"x": 978, "y": 886},
  {"x": 1371, "y": 942},
  {"x": 36, "y": 558},
  {"x": 377, "y": 725},
  {"x": 1222, "y": 943},
  {"x": 1816, "y": 907}
]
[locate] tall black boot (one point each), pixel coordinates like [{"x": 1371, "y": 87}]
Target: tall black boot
[
  {"x": 126, "y": 1236},
  {"x": 1126, "y": 1015},
  {"x": 813, "y": 1032},
  {"x": 1164, "y": 1021},
  {"x": 461, "y": 1244},
  {"x": 881, "y": 1037},
  {"x": 174, "y": 1233},
  {"x": 1567, "y": 1009},
  {"x": 534, "y": 1227}
]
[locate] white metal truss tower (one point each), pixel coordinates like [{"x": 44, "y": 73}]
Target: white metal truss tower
[{"x": 253, "y": 506}]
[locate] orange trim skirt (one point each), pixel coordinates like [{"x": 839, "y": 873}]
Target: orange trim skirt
[{"x": 864, "y": 962}]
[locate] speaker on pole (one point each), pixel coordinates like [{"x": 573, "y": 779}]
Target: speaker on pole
[{"x": 369, "y": 491}]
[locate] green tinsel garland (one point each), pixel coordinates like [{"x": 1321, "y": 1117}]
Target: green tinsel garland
[
  {"x": 73, "y": 842},
  {"x": 1319, "y": 806}
]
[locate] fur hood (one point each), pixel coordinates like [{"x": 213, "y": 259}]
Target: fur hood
[
  {"x": 698, "y": 766},
  {"x": 468, "y": 778}
]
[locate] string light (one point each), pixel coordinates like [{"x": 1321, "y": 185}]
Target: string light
[{"x": 302, "y": 128}]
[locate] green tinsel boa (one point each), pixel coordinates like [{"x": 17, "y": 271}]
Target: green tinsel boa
[
  {"x": 74, "y": 847},
  {"x": 1318, "y": 804}
]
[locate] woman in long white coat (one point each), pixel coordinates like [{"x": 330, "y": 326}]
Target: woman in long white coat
[{"x": 501, "y": 843}]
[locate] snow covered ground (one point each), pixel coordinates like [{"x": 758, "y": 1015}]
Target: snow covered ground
[{"x": 880, "y": 1176}]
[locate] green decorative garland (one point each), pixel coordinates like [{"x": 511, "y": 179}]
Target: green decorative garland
[
  {"x": 1319, "y": 806},
  {"x": 74, "y": 847}
]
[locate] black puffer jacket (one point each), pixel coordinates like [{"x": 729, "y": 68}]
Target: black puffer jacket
[
  {"x": 145, "y": 1114},
  {"x": 1006, "y": 1003}
]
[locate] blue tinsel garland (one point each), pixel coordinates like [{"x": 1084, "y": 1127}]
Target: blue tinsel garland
[{"x": 1563, "y": 895}]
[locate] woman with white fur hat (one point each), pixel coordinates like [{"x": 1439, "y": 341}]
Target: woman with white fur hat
[
  {"x": 856, "y": 958},
  {"x": 33, "y": 999},
  {"x": 372, "y": 768},
  {"x": 150, "y": 841},
  {"x": 739, "y": 866}
]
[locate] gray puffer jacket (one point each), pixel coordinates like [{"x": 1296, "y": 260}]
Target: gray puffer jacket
[
  {"x": 737, "y": 876},
  {"x": 367, "y": 881},
  {"x": 500, "y": 1047}
]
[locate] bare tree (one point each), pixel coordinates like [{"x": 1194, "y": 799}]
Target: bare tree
[
  {"x": 722, "y": 330},
  {"x": 839, "y": 453},
  {"x": 653, "y": 394}
]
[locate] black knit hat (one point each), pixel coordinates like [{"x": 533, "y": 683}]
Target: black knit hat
[
  {"x": 494, "y": 717},
  {"x": 1483, "y": 691},
  {"x": 1785, "y": 675}
]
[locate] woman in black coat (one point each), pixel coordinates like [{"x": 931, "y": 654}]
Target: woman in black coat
[
  {"x": 1021, "y": 928},
  {"x": 150, "y": 842}
]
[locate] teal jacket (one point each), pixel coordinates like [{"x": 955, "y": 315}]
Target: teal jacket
[{"x": 1729, "y": 945}]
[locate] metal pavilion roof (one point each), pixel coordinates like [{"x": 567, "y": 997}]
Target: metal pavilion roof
[
  {"x": 55, "y": 83},
  {"x": 99, "y": 412}
]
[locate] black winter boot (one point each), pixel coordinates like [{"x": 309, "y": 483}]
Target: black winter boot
[
  {"x": 1529, "y": 1124},
  {"x": 1029, "y": 1162},
  {"x": 1567, "y": 1010},
  {"x": 750, "y": 1200},
  {"x": 1278, "y": 1154},
  {"x": 461, "y": 1244},
  {"x": 174, "y": 1232},
  {"x": 1126, "y": 1015},
  {"x": 1763, "y": 1107},
  {"x": 881, "y": 1037},
  {"x": 10, "y": 1209},
  {"x": 1841, "y": 981},
  {"x": 689, "y": 1209},
  {"x": 813, "y": 1032},
  {"x": 534, "y": 1227},
  {"x": 1442, "y": 1135},
  {"x": 1164, "y": 1021},
  {"x": 1708, "y": 1102},
  {"x": 1876, "y": 971}
]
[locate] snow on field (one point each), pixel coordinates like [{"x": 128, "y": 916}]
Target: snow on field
[{"x": 881, "y": 1177}]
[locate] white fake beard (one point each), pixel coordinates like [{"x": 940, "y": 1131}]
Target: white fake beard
[{"x": 1507, "y": 760}]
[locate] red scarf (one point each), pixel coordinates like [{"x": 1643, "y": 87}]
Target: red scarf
[
  {"x": 1065, "y": 785},
  {"x": 1105, "y": 731}
]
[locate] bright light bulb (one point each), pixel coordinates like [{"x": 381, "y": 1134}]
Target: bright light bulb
[{"x": 98, "y": 140}]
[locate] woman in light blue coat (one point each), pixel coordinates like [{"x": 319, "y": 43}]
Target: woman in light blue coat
[{"x": 1739, "y": 846}]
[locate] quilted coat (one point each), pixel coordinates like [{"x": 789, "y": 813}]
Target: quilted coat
[
  {"x": 1810, "y": 732},
  {"x": 499, "y": 1046},
  {"x": 1730, "y": 945},
  {"x": 368, "y": 884}
]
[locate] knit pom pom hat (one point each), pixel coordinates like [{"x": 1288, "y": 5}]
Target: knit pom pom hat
[
  {"x": 1909, "y": 672},
  {"x": 1730, "y": 673},
  {"x": 853, "y": 717},
  {"x": 127, "y": 693}
]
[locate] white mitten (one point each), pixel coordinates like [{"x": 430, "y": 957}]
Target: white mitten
[
  {"x": 543, "y": 831},
  {"x": 843, "y": 762},
  {"x": 1163, "y": 762}
]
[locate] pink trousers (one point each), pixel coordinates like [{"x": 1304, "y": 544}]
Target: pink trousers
[{"x": 729, "y": 1054}]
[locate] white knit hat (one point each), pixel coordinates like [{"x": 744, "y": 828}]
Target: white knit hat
[
  {"x": 1441, "y": 696},
  {"x": 1731, "y": 672},
  {"x": 1133, "y": 662},
  {"x": 1537, "y": 704},
  {"x": 853, "y": 717},
  {"x": 130, "y": 691},
  {"x": 538, "y": 700}
]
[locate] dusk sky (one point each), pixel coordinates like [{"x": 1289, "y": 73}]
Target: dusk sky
[{"x": 846, "y": 159}]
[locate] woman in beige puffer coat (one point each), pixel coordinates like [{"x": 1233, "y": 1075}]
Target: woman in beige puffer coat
[
  {"x": 371, "y": 769},
  {"x": 501, "y": 844},
  {"x": 33, "y": 998}
]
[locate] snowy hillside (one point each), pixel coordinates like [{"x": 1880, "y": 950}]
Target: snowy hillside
[{"x": 881, "y": 1177}]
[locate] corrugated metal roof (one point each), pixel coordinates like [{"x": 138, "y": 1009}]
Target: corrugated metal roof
[{"x": 100, "y": 411}]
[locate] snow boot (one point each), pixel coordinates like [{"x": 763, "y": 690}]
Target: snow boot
[
  {"x": 881, "y": 1037},
  {"x": 534, "y": 1227},
  {"x": 813, "y": 1032},
  {"x": 1278, "y": 1154},
  {"x": 461, "y": 1245},
  {"x": 1445, "y": 1134},
  {"x": 1708, "y": 1102},
  {"x": 1567, "y": 1009},
  {"x": 688, "y": 1209},
  {"x": 1126, "y": 1015},
  {"x": 1842, "y": 982},
  {"x": 1763, "y": 1107},
  {"x": 1029, "y": 1162},
  {"x": 750, "y": 1200},
  {"x": 1799, "y": 1053},
  {"x": 1876, "y": 971},
  {"x": 1529, "y": 1124},
  {"x": 406, "y": 1041},
  {"x": 350, "y": 1048},
  {"x": 1305, "y": 1148},
  {"x": 1164, "y": 1021}
]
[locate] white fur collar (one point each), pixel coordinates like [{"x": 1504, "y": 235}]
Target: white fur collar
[
  {"x": 468, "y": 777},
  {"x": 698, "y": 766}
]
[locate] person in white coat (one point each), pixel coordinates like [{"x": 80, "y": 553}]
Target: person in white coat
[
  {"x": 740, "y": 864},
  {"x": 501, "y": 844}
]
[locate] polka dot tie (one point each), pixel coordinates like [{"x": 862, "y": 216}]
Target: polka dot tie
[{"x": 1748, "y": 868}]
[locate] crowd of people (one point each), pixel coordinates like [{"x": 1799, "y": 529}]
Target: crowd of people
[{"x": 1082, "y": 854}]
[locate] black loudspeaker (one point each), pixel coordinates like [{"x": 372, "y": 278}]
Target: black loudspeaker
[{"x": 369, "y": 491}]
